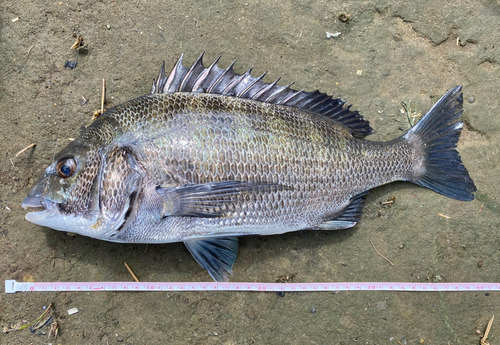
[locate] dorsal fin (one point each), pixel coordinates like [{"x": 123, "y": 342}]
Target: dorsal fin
[{"x": 215, "y": 80}]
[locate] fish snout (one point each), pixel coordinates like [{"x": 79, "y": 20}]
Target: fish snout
[{"x": 33, "y": 202}]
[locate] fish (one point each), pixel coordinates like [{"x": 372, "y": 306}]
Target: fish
[{"x": 210, "y": 155}]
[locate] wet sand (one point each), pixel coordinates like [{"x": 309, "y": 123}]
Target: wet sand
[{"x": 387, "y": 52}]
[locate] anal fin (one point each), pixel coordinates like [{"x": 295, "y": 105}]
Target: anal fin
[
  {"x": 349, "y": 216},
  {"x": 216, "y": 255}
]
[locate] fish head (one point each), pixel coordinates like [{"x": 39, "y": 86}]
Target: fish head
[
  {"x": 64, "y": 197},
  {"x": 90, "y": 188}
]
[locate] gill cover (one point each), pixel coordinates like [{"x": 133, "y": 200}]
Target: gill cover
[{"x": 120, "y": 185}]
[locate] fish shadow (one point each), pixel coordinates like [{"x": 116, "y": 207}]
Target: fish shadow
[{"x": 172, "y": 261}]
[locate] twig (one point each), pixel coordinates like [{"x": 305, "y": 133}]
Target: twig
[
  {"x": 444, "y": 216},
  {"x": 131, "y": 273},
  {"x": 29, "y": 51},
  {"x": 83, "y": 101},
  {"x": 483, "y": 339},
  {"x": 103, "y": 94},
  {"x": 389, "y": 261},
  {"x": 98, "y": 113},
  {"x": 389, "y": 201},
  {"x": 480, "y": 209},
  {"x": 27, "y": 147}
]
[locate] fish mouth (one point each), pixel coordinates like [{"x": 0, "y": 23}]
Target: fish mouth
[
  {"x": 45, "y": 212},
  {"x": 42, "y": 208},
  {"x": 32, "y": 202}
]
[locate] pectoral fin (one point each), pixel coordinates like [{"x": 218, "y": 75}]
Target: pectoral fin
[
  {"x": 216, "y": 255},
  {"x": 209, "y": 199}
]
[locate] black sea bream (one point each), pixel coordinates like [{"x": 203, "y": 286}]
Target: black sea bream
[{"x": 211, "y": 155}]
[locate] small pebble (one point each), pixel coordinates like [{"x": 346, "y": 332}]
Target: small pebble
[
  {"x": 83, "y": 101},
  {"x": 216, "y": 333},
  {"x": 471, "y": 100},
  {"x": 344, "y": 17},
  {"x": 281, "y": 293},
  {"x": 333, "y": 35},
  {"x": 313, "y": 310},
  {"x": 401, "y": 246},
  {"x": 70, "y": 64}
]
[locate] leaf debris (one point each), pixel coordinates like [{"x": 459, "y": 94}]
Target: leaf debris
[
  {"x": 412, "y": 117},
  {"x": 78, "y": 42},
  {"x": 20, "y": 326}
]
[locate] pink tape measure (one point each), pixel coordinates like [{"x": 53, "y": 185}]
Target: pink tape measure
[{"x": 12, "y": 286}]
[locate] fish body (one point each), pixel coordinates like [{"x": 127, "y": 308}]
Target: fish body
[{"x": 211, "y": 155}]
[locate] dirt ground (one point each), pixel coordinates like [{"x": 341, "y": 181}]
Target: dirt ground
[{"x": 388, "y": 52}]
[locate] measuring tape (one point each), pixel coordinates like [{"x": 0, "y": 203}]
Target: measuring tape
[{"x": 12, "y": 286}]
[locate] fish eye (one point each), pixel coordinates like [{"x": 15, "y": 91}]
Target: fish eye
[{"x": 66, "y": 167}]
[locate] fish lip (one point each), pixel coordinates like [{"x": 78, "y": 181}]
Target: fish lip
[
  {"x": 32, "y": 202},
  {"x": 42, "y": 208}
]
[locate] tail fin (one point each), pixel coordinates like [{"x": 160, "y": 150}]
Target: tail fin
[{"x": 444, "y": 171}]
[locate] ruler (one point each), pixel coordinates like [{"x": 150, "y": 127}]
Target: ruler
[{"x": 12, "y": 286}]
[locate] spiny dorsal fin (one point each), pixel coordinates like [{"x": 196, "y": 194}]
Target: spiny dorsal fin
[{"x": 215, "y": 80}]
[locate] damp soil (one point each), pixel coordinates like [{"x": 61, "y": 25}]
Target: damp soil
[{"x": 388, "y": 52}]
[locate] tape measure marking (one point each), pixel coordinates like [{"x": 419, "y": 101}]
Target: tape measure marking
[{"x": 12, "y": 286}]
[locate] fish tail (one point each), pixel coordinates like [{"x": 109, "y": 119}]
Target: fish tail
[{"x": 434, "y": 138}]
